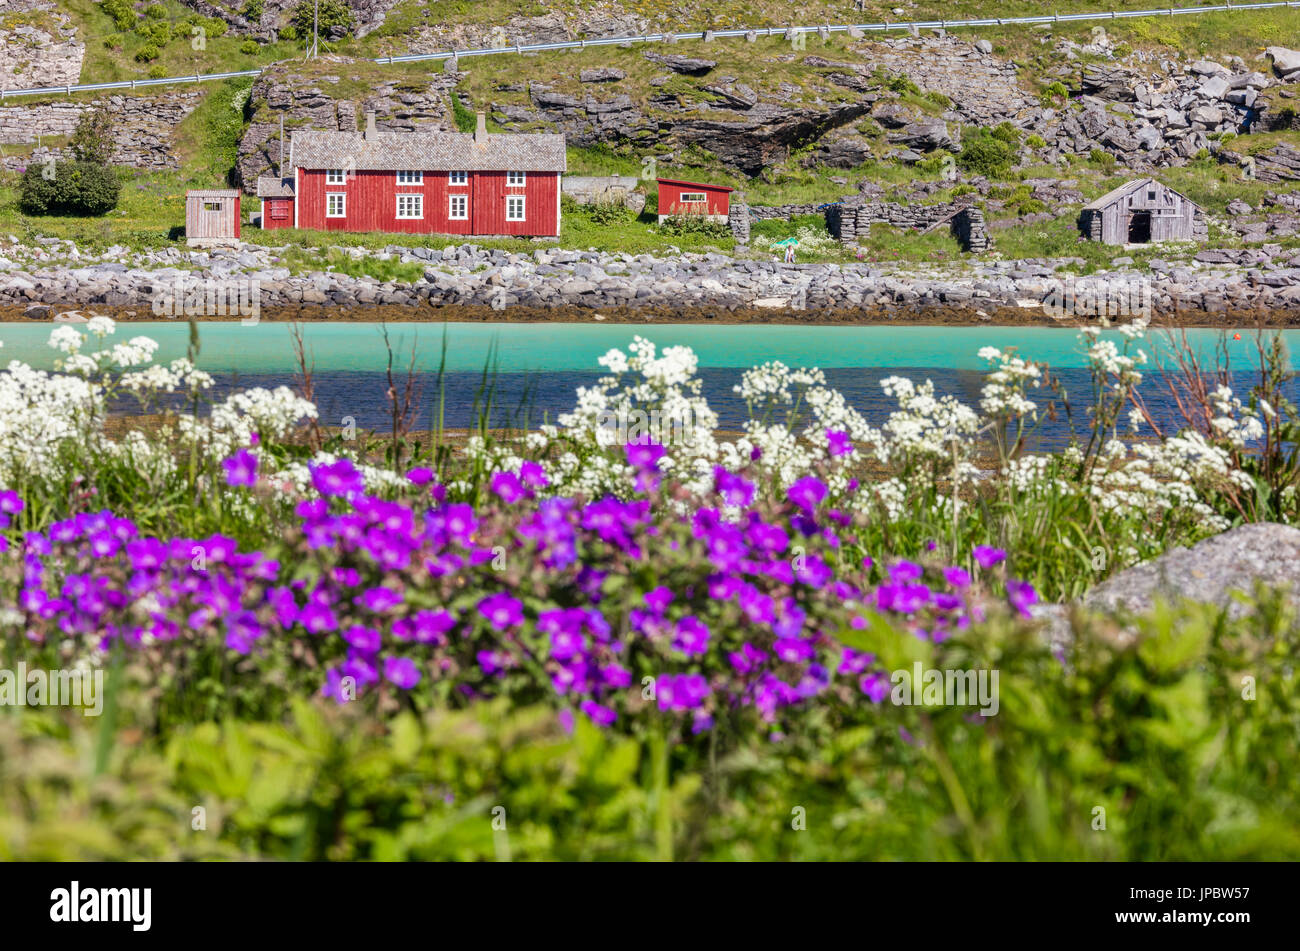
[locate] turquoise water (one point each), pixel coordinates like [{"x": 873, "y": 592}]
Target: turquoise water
[{"x": 552, "y": 347}]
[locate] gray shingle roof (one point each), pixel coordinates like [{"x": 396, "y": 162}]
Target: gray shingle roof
[
  {"x": 272, "y": 186},
  {"x": 428, "y": 151},
  {"x": 1128, "y": 187}
]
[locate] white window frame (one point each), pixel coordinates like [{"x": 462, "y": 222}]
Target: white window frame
[
  {"x": 511, "y": 201},
  {"x": 417, "y": 200},
  {"x": 410, "y": 178},
  {"x": 343, "y": 204},
  {"x": 336, "y": 176},
  {"x": 463, "y": 201},
  {"x": 458, "y": 179},
  {"x": 516, "y": 179},
  {"x": 694, "y": 198}
]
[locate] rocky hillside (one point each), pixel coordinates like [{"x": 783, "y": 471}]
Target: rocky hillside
[{"x": 750, "y": 106}]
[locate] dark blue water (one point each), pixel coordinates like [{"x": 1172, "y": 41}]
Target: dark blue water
[{"x": 529, "y": 399}]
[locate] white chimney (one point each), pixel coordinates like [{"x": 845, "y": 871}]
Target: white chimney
[
  {"x": 370, "y": 125},
  {"x": 480, "y": 131}
]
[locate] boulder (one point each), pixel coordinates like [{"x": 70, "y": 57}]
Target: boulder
[
  {"x": 925, "y": 134},
  {"x": 687, "y": 65},
  {"x": 1285, "y": 61},
  {"x": 602, "y": 74},
  {"x": 1209, "y": 572},
  {"x": 1216, "y": 87}
]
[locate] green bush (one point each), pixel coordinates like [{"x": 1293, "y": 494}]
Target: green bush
[
  {"x": 74, "y": 188},
  {"x": 92, "y": 140},
  {"x": 155, "y": 12},
  {"x": 147, "y": 53},
  {"x": 249, "y": 47},
  {"x": 693, "y": 224},
  {"x": 1036, "y": 142},
  {"x": 122, "y": 12},
  {"x": 253, "y": 10},
  {"x": 156, "y": 32},
  {"x": 331, "y": 13},
  {"x": 1103, "y": 160},
  {"x": 987, "y": 153},
  {"x": 157, "y": 71},
  {"x": 288, "y": 33},
  {"x": 1054, "y": 95}
]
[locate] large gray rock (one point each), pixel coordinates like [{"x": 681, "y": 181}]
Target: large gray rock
[
  {"x": 1210, "y": 572},
  {"x": 1284, "y": 60}
]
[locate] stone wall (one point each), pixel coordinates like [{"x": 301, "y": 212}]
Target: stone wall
[
  {"x": 142, "y": 127},
  {"x": 738, "y": 220},
  {"x": 850, "y": 222},
  {"x": 765, "y": 212}
]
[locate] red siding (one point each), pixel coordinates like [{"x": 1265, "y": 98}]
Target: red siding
[
  {"x": 371, "y": 203},
  {"x": 718, "y": 197},
  {"x": 277, "y": 213}
]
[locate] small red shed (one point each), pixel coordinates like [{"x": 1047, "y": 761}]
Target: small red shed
[
  {"x": 211, "y": 217},
  {"x": 693, "y": 198},
  {"x": 277, "y": 201}
]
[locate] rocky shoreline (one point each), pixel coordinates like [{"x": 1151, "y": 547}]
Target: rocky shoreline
[{"x": 550, "y": 283}]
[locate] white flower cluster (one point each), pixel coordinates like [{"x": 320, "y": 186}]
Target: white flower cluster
[{"x": 52, "y": 424}]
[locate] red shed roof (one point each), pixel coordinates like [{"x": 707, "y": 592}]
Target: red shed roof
[{"x": 678, "y": 181}]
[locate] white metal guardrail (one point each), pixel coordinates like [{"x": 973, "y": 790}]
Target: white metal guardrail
[{"x": 885, "y": 27}]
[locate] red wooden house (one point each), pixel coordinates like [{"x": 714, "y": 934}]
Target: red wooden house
[
  {"x": 693, "y": 198},
  {"x": 454, "y": 183}
]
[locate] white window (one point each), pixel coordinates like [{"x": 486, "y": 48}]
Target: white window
[
  {"x": 410, "y": 206},
  {"x": 335, "y": 205},
  {"x": 458, "y": 207},
  {"x": 514, "y": 208},
  {"x": 515, "y": 179},
  {"x": 694, "y": 198},
  {"x": 333, "y": 176},
  {"x": 457, "y": 178},
  {"x": 212, "y": 206},
  {"x": 410, "y": 178}
]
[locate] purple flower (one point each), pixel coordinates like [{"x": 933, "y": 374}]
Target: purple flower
[
  {"x": 601, "y": 716},
  {"x": 905, "y": 571},
  {"x": 957, "y": 577},
  {"x": 337, "y": 478},
  {"x": 681, "y": 691},
  {"x": 658, "y": 599},
  {"x": 875, "y": 686},
  {"x": 378, "y": 600},
  {"x": 365, "y": 639},
  {"x": 401, "y": 672},
  {"x": 507, "y": 486},
  {"x": 1021, "y": 595},
  {"x": 10, "y": 502},
  {"x": 807, "y": 493},
  {"x": 644, "y": 455},
  {"x": 502, "y": 611},
  {"x": 987, "y": 557},
  {"x": 241, "y": 468},
  {"x": 839, "y": 442},
  {"x": 420, "y": 475},
  {"x": 533, "y": 475},
  {"x": 733, "y": 489},
  {"x": 692, "y": 636}
]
